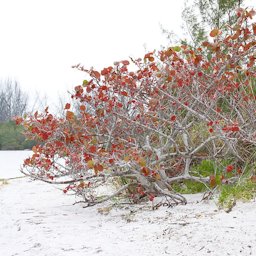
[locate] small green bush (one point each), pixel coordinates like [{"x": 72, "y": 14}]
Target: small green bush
[
  {"x": 245, "y": 191},
  {"x": 189, "y": 187}
]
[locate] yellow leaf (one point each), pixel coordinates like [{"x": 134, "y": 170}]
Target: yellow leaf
[
  {"x": 85, "y": 82},
  {"x": 157, "y": 176},
  {"x": 126, "y": 158},
  {"x": 81, "y": 185},
  {"x": 176, "y": 48},
  {"x": 70, "y": 115},
  {"x": 142, "y": 162},
  {"x": 90, "y": 164},
  {"x": 215, "y": 32},
  {"x": 94, "y": 141}
]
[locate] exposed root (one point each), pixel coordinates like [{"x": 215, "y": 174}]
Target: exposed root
[{"x": 175, "y": 198}]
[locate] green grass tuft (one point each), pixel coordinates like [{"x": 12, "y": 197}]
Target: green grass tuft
[
  {"x": 189, "y": 187},
  {"x": 244, "y": 191}
]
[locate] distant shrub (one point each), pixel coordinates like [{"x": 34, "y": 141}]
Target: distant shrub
[{"x": 12, "y": 138}]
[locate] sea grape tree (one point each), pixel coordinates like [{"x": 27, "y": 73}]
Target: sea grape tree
[{"x": 147, "y": 121}]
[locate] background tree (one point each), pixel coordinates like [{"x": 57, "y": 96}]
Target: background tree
[
  {"x": 13, "y": 101},
  {"x": 204, "y": 15}
]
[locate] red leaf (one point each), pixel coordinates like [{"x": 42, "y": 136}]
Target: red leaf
[
  {"x": 151, "y": 59},
  {"x": 27, "y": 161},
  {"x": 96, "y": 74},
  {"x": 251, "y": 13},
  {"x": 148, "y": 55},
  {"x": 111, "y": 161},
  {"x": 211, "y": 130},
  {"x": 180, "y": 82},
  {"x": 67, "y": 106},
  {"x": 197, "y": 60},
  {"x": 125, "y": 62},
  {"x": 104, "y": 88},
  {"x": 93, "y": 149},
  {"x": 82, "y": 108},
  {"x": 172, "y": 72},
  {"x": 44, "y": 136},
  {"x": 50, "y": 177},
  {"x": 98, "y": 168},
  {"x": 173, "y": 118},
  {"x": 70, "y": 115},
  {"x": 151, "y": 197},
  {"x": 49, "y": 118},
  {"x": 235, "y": 129},
  {"x": 119, "y": 104},
  {"x": 124, "y": 93},
  {"x": 59, "y": 143},
  {"x": 236, "y": 35},
  {"x": 104, "y": 72},
  {"x": 229, "y": 168},
  {"x": 140, "y": 190},
  {"x": 18, "y": 120},
  {"x": 200, "y": 74},
  {"x": 145, "y": 171},
  {"x": 205, "y": 44},
  {"x": 254, "y": 28},
  {"x": 212, "y": 181}
]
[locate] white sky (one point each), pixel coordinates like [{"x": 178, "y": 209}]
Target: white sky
[{"x": 42, "y": 39}]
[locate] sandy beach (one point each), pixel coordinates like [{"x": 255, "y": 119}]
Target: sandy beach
[{"x": 38, "y": 219}]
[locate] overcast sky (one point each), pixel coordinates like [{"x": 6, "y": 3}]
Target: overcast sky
[{"x": 42, "y": 39}]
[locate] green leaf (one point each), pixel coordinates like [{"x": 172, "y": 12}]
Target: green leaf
[
  {"x": 176, "y": 48},
  {"x": 85, "y": 82}
]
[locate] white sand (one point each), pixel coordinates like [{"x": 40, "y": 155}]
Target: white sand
[{"x": 37, "y": 219}]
